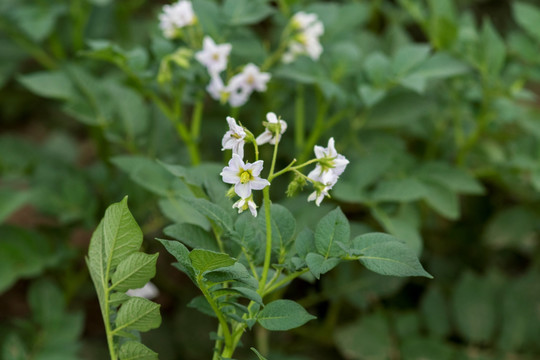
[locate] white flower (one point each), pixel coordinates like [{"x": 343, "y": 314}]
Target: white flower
[
  {"x": 234, "y": 138},
  {"x": 306, "y": 40},
  {"x": 176, "y": 16},
  {"x": 244, "y": 204},
  {"x": 302, "y": 20},
  {"x": 148, "y": 291},
  {"x": 245, "y": 177},
  {"x": 322, "y": 184},
  {"x": 331, "y": 161},
  {"x": 216, "y": 89},
  {"x": 268, "y": 135},
  {"x": 213, "y": 56},
  {"x": 241, "y": 85}
]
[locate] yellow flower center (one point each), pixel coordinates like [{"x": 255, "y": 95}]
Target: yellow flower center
[
  {"x": 245, "y": 176},
  {"x": 236, "y": 136},
  {"x": 250, "y": 80},
  {"x": 215, "y": 56}
]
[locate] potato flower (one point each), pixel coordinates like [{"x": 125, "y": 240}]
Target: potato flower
[{"x": 244, "y": 176}]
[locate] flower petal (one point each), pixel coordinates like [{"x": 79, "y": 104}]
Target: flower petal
[
  {"x": 243, "y": 190},
  {"x": 265, "y": 137},
  {"x": 258, "y": 183},
  {"x": 271, "y": 117}
]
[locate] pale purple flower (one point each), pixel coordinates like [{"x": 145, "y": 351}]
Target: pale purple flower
[
  {"x": 244, "y": 176},
  {"x": 234, "y": 138},
  {"x": 331, "y": 160}
]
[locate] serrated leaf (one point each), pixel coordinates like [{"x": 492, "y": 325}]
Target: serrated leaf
[
  {"x": 331, "y": 229},
  {"x": 133, "y": 350},
  {"x": 121, "y": 234},
  {"x": 181, "y": 254},
  {"x": 138, "y": 314},
  {"x": 386, "y": 255},
  {"x": 192, "y": 235},
  {"x": 319, "y": 265},
  {"x": 206, "y": 260},
  {"x": 281, "y": 315},
  {"x": 134, "y": 271}
]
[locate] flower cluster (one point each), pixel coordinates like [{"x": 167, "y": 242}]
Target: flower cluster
[
  {"x": 244, "y": 175},
  {"x": 327, "y": 171},
  {"x": 176, "y": 16},
  {"x": 305, "y": 40},
  {"x": 240, "y": 87}
]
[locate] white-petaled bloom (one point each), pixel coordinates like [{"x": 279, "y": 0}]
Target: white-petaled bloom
[
  {"x": 244, "y": 177},
  {"x": 234, "y": 138},
  {"x": 306, "y": 39},
  {"x": 322, "y": 184},
  {"x": 269, "y": 135},
  {"x": 148, "y": 291},
  {"x": 216, "y": 88},
  {"x": 331, "y": 161},
  {"x": 302, "y": 20},
  {"x": 213, "y": 56},
  {"x": 241, "y": 85},
  {"x": 244, "y": 204},
  {"x": 175, "y": 17}
]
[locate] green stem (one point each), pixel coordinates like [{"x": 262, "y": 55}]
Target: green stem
[
  {"x": 219, "y": 314},
  {"x": 218, "y": 343},
  {"x": 322, "y": 108},
  {"x": 268, "y": 249},
  {"x": 299, "y": 118},
  {"x": 284, "y": 281},
  {"x": 196, "y": 119}
]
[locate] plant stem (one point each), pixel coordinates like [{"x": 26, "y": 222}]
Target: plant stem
[
  {"x": 219, "y": 314},
  {"x": 299, "y": 118},
  {"x": 196, "y": 120},
  {"x": 284, "y": 281},
  {"x": 268, "y": 249}
]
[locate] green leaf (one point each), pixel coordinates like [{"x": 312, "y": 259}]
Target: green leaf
[
  {"x": 245, "y": 12},
  {"x": 442, "y": 199},
  {"x": 134, "y": 271},
  {"x": 192, "y": 236},
  {"x": 427, "y": 348},
  {"x": 319, "y": 265},
  {"x": 181, "y": 254},
  {"x": 453, "y": 178},
  {"x": 209, "y": 16},
  {"x": 13, "y": 348},
  {"x": 512, "y": 227},
  {"x": 386, "y": 255},
  {"x": 138, "y": 314},
  {"x": 474, "y": 305},
  {"x": 11, "y": 201},
  {"x": 378, "y": 68},
  {"x": 331, "y": 229},
  {"x": 121, "y": 234},
  {"x": 206, "y": 260},
  {"x": 305, "y": 243},
  {"x": 408, "y": 57},
  {"x": 213, "y": 212},
  {"x": 371, "y": 95},
  {"x": 47, "y": 302},
  {"x": 248, "y": 293},
  {"x": 281, "y": 315},
  {"x": 434, "y": 309},
  {"x": 528, "y": 17},
  {"x": 283, "y": 225},
  {"x": 400, "y": 190},
  {"x": 133, "y": 350},
  {"x": 50, "y": 84},
  {"x": 493, "y": 49},
  {"x": 236, "y": 272},
  {"x": 37, "y": 21},
  {"x": 440, "y": 66},
  {"x": 366, "y": 338}
]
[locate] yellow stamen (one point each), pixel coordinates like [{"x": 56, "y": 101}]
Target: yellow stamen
[{"x": 245, "y": 176}]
